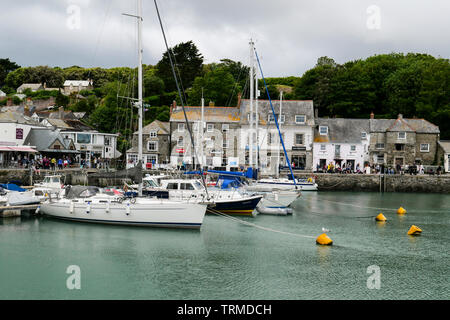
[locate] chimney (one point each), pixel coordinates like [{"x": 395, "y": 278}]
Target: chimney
[
  {"x": 45, "y": 85},
  {"x": 316, "y": 113},
  {"x": 400, "y": 116},
  {"x": 372, "y": 115},
  {"x": 211, "y": 103},
  {"x": 9, "y": 102},
  {"x": 173, "y": 106}
]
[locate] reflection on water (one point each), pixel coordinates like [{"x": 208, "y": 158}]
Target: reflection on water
[{"x": 228, "y": 260}]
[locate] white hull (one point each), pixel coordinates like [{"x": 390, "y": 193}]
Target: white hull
[
  {"x": 16, "y": 198},
  {"x": 279, "y": 198},
  {"x": 145, "y": 212},
  {"x": 284, "y": 185}
]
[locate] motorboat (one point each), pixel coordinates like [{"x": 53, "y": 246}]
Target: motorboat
[
  {"x": 17, "y": 196},
  {"x": 284, "y": 184},
  {"x": 225, "y": 201},
  {"x": 92, "y": 204}
]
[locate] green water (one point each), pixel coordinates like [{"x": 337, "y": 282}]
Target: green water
[{"x": 229, "y": 260}]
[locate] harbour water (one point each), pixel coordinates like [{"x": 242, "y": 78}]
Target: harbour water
[{"x": 231, "y": 260}]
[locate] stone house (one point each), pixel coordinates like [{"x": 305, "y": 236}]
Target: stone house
[
  {"x": 403, "y": 141},
  {"x": 217, "y": 147},
  {"x": 341, "y": 141},
  {"x": 155, "y": 145},
  {"x": 32, "y": 86},
  {"x": 296, "y": 123},
  {"x": 71, "y": 86}
]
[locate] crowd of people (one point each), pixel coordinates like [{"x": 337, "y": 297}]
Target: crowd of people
[
  {"x": 62, "y": 162},
  {"x": 412, "y": 169}
]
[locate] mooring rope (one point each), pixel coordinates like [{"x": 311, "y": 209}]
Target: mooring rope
[{"x": 218, "y": 213}]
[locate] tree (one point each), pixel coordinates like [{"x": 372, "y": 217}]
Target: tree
[
  {"x": 217, "y": 85},
  {"x": 6, "y": 66},
  {"x": 188, "y": 65}
]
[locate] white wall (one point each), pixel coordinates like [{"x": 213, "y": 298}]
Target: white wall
[{"x": 8, "y": 132}]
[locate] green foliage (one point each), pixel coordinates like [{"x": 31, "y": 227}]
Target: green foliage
[
  {"x": 6, "y": 66},
  {"x": 188, "y": 61}
]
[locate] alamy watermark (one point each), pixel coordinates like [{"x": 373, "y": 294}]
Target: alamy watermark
[
  {"x": 73, "y": 21},
  {"x": 373, "y": 21},
  {"x": 374, "y": 280},
  {"x": 74, "y": 280}
]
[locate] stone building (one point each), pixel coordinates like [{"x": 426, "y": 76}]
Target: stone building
[
  {"x": 341, "y": 141},
  {"x": 219, "y": 146},
  {"x": 71, "y": 86},
  {"x": 155, "y": 145},
  {"x": 403, "y": 141},
  {"x": 297, "y": 128}
]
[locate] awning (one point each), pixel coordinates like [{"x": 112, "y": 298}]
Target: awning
[{"x": 17, "y": 149}]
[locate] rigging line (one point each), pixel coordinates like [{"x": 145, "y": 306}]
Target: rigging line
[
  {"x": 194, "y": 151},
  {"x": 218, "y": 213},
  {"x": 234, "y": 87},
  {"x": 275, "y": 118}
]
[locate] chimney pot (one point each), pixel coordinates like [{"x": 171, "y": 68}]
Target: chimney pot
[
  {"x": 400, "y": 116},
  {"x": 372, "y": 115}
]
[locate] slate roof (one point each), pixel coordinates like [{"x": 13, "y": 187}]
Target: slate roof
[
  {"x": 211, "y": 114},
  {"x": 341, "y": 130},
  {"x": 12, "y": 116},
  {"x": 409, "y": 125},
  {"x": 32, "y": 86},
  {"x": 43, "y": 138},
  {"x": 76, "y": 83},
  {"x": 159, "y": 126},
  {"x": 445, "y": 145},
  {"x": 290, "y": 108},
  {"x": 77, "y": 125}
]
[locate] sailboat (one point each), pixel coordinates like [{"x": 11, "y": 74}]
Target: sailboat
[{"x": 92, "y": 204}]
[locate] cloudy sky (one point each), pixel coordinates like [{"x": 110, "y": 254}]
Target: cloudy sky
[{"x": 290, "y": 34}]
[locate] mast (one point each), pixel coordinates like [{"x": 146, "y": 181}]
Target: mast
[
  {"x": 279, "y": 126},
  {"x": 139, "y": 103},
  {"x": 252, "y": 73},
  {"x": 202, "y": 128},
  {"x": 256, "y": 120}
]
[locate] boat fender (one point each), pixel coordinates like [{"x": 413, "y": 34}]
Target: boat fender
[
  {"x": 88, "y": 208},
  {"x": 380, "y": 217},
  {"x": 127, "y": 209},
  {"x": 71, "y": 207},
  {"x": 309, "y": 180},
  {"x": 323, "y": 239},
  {"x": 37, "y": 209},
  {"x": 414, "y": 231},
  {"x": 107, "y": 207},
  {"x": 133, "y": 200},
  {"x": 401, "y": 210}
]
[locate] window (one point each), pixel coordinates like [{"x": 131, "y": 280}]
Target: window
[
  {"x": 172, "y": 186},
  {"x": 402, "y": 135},
  {"x": 353, "y": 148},
  {"x": 209, "y": 127},
  {"x": 132, "y": 158},
  {"x": 379, "y": 146},
  {"x": 380, "y": 158},
  {"x": 299, "y": 138},
  {"x": 181, "y": 127},
  {"x": 300, "y": 119},
  {"x": 225, "y": 127},
  {"x": 153, "y": 134},
  {"x": 424, "y": 147},
  {"x": 322, "y": 147},
  {"x": 83, "y": 138},
  {"x": 271, "y": 119},
  {"x": 323, "y": 130},
  {"x": 152, "y": 146},
  {"x": 399, "y": 147},
  {"x": 255, "y": 117},
  {"x": 107, "y": 141},
  {"x": 180, "y": 142},
  {"x": 225, "y": 144},
  {"x": 186, "y": 186},
  {"x": 363, "y": 135},
  {"x": 151, "y": 158}
]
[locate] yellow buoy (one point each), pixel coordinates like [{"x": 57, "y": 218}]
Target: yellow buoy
[
  {"x": 401, "y": 210},
  {"x": 414, "y": 231},
  {"x": 380, "y": 217},
  {"x": 323, "y": 239}
]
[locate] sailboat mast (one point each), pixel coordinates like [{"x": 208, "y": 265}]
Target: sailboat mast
[
  {"x": 279, "y": 140},
  {"x": 202, "y": 128},
  {"x": 256, "y": 120},
  {"x": 139, "y": 103},
  {"x": 252, "y": 74}
]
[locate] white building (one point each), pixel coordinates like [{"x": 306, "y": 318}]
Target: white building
[
  {"x": 77, "y": 85},
  {"x": 341, "y": 141},
  {"x": 2, "y": 94},
  {"x": 94, "y": 144},
  {"x": 445, "y": 147},
  {"x": 297, "y": 128}
]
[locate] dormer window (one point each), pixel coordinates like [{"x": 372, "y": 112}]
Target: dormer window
[
  {"x": 300, "y": 119},
  {"x": 153, "y": 134},
  {"x": 323, "y": 130},
  {"x": 363, "y": 135},
  {"x": 271, "y": 118},
  {"x": 402, "y": 135},
  {"x": 181, "y": 127}
]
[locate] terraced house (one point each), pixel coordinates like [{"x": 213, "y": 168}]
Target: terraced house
[{"x": 403, "y": 141}]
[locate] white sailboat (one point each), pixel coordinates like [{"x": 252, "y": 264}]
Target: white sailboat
[{"x": 90, "y": 204}]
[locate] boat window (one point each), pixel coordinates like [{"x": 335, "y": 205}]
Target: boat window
[
  {"x": 186, "y": 186},
  {"x": 38, "y": 193},
  {"x": 55, "y": 179},
  {"x": 172, "y": 186},
  {"x": 197, "y": 185}
]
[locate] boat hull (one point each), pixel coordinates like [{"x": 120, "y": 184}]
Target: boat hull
[
  {"x": 242, "y": 207},
  {"x": 263, "y": 185},
  {"x": 159, "y": 214}
]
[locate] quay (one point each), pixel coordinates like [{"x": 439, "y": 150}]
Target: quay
[
  {"x": 16, "y": 211},
  {"x": 325, "y": 181}
]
